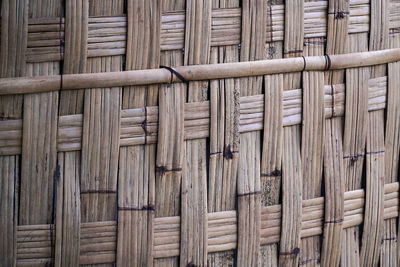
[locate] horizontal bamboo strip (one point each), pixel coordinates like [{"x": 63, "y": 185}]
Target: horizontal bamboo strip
[
  {"x": 196, "y": 72},
  {"x": 197, "y": 118},
  {"x": 98, "y": 239},
  {"x": 107, "y": 35}
]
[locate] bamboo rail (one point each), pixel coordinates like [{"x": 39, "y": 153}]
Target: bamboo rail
[{"x": 10, "y": 86}]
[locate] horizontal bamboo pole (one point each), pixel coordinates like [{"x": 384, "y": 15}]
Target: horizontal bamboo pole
[{"x": 10, "y": 86}]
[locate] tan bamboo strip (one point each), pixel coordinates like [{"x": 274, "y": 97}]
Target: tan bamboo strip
[
  {"x": 68, "y": 212},
  {"x": 224, "y": 131},
  {"x": 168, "y": 188},
  {"x": 373, "y": 222},
  {"x": 393, "y": 70},
  {"x": 222, "y": 229},
  {"x": 39, "y": 137},
  {"x": 291, "y": 197},
  {"x": 312, "y": 145},
  {"x": 100, "y": 123},
  {"x": 248, "y": 181},
  {"x": 392, "y": 148},
  {"x": 10, "y": 137},
  {"x": 294, "y": 28},
  {"x": 98, "y": 242},
  {"x": 9, "y": 166},
  {"x": 291, "y": 160},
  {"x": 224, "y": 111},
  {"x": 193, "y": 249},
  {"x": 136, "y": 182},
  {"x": 271, "y": 164},
  {"x": 223, "y": 225},
  {"x": 334, "y": 198},
  {"x": 337, "y": 38},
  {"x": 389, "y": 251},
  {"x": 34, "y": 244},
  {"x": 354, "y": 142},
  {"x": 13, "y": 39},
  {"x": 100, "y": 142},
  {"x": 75, "y": 51},
  {"x": 110, "y": 38},
  {"x": 379, "y": 39},
  {"x": 272, "y": 151},
  {"x": 101, "y": 127},
  {"x": 196, "y": 72}
]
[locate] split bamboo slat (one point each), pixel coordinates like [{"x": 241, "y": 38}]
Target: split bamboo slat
[{"x": 199, "y": 132}]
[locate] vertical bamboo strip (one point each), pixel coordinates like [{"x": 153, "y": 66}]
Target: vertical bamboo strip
[
  {"x": 334, "y": 193},
  {"x": 224, "y": 138},
  {"x": 392, "y": 150},
  {"x": 14, "y": 35},
  {"x": 271, "y": 164},
  {"x": 194, "y": 223},
  {"x": 137, "y": 164},
  {"x": 271, "y": 161},
  {"x": 9, "y": 176},
  {"x": 106, "y": 7},
  {"x": 392, "y": 147},
  {"x": 336, "y": 43},
  {"x": 39, "y": 139},
  {"x": 13, "y": 40},
  {"x": 100, "y": 145},
  {"x": 294, "y": 28},
  {"x": 44, "y": 8},
  {"x": 291, "y": 158},
  {"x": 312, "y": 145},
  {"x": 374, "y": 195},
  {"x": 224, "y": 142},
  {"x": 75, "y": 52},
  {"x": 101, "y": 135},
  {"x": 249, "y": 183},
  {"x": 170, "y": 148},
  {"x": 168, "y": 185},
  {"x": 68, "y": 211},
  {"x": 39, "y": 156},
  {"x": 374, "y": 226},
  {"x": 375, "y": 177},
  {"x": 354, "y": 141}
]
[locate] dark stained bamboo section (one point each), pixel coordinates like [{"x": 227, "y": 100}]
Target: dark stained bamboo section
[{"x": 199, "y": 132}]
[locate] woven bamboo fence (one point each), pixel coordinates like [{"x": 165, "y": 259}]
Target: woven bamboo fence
[{"x": 199, "y": 132}]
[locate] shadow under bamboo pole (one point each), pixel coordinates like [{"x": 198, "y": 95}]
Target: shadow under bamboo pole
[{"x": 9, "y": 86}]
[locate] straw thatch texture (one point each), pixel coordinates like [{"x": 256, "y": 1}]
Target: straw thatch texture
[{"x": 273, "y": 141}]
